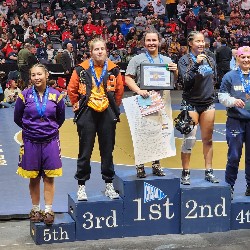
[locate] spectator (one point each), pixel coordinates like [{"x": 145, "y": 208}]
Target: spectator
[
  {"x": 41, "y": 53},
  {"x": 58, "y": 57},
  {"x": 60, "y": 18},
  {"x": 125, "y": 26},
  {"x": 118, "y": 15},
  {"x": 140, "y": 22},
  {"x": 12, "y": 91},
  {"x": 148, "y": 10},
  {"x": 51, "y": 24},
  {"x": 50, "y": 53},
  {"x": 223, "y": 58},
  {"x": 32, "y": 39},
  {"x": 159, "y": 9},
  {"x": 171, "y": 6},
  {"x": 4, "y": 9},
  {"x": 244, "y": 39},
  {"x": 114, "y": 26},
  {"x": 68, "y": 61},
  {"x": 88, "y": 28},
  {"x": 115, "y": 57},
  {"x": 91, "y": 7},
  {"x": 12, "y": 56},
  {"x": 96, "y": 14}
]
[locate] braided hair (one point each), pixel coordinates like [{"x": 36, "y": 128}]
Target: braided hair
[{"x": 190, "y": 38}]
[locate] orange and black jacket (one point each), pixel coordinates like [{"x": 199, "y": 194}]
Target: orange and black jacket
[{"x": 80, "y": 85}]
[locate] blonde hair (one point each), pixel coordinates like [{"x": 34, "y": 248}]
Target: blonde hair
[{"x": 95, "y": 40}]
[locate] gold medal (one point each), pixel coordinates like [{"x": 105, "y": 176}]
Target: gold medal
[
  {"x": 42, "y": 119},
  {"x": 98, "y": 90},
  {"x": 247, "y": 96}
]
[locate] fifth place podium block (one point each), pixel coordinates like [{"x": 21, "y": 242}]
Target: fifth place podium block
[{"x": 151, "y": 206}]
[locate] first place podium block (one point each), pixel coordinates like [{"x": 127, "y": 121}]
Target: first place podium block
[
  {"x": 63, "y": 230},
  {"x": 151, "y": 205},
  {"x": 240, "y": 212},
  {"x": 205, "y": 207},
  {"x": 98, "y": 218}
]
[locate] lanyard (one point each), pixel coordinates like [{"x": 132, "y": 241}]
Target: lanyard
[
  {"x": 245, "y": 82},
  {"x": 193, "y": 57},
  {"x": 104, "y": 70},
  {"x": 151, "y": 60},
  {"x": 40, "y": 110}
]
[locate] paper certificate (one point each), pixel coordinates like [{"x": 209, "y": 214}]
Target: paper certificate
[
  {"x": 156, "y": 76},
  {"x": 153, "y": 134}
]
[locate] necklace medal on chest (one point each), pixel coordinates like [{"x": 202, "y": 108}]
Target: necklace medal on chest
[
  {"x": 41, "y": 110},
  {"x": 104, "y": 70},
  {"x": 245, "y": 82},
  {"x": 203, "y": 69}
]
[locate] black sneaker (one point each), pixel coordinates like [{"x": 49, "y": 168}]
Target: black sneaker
[
  {"x": 156, "y": 169},
  {"x": 247, "y": 193},
  {"x": 185, "y": 177},
  {"x": 140, "y": 171},
  {"x": 209, "y": 176}
]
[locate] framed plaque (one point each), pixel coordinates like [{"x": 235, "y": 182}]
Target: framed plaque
[{"x": 156, "y": 76}]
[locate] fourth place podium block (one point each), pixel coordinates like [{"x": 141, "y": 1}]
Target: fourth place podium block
[{"x": 149, "y": 206}]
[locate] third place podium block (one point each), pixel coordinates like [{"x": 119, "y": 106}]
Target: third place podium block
[
  {"x": 97, "y": 218},
  {"x": 205, "y": 207},
  {"x": 151, "y": 205}
]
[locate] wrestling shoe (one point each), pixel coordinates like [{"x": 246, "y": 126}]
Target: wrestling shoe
[
  {"x": 156, "y": 169},
  {"x": 185, "y": 177},
  {"x": 81, "y": 193},
  {"x": 110, "y": 191},
  {"x": 48, "y": 217},
  {"x": 140, "y": 171},
  {"x": 36, "y": 216},
  {"x": 209, "y": 176}
]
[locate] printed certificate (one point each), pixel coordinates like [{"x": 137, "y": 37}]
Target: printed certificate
[{"x": 156, "y": 76}]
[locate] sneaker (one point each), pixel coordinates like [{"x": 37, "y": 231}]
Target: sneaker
[
  {"x": 140, "y": 171},
  {"x": 48, "y": 217},
  {"x": 209, "y": 176},
  {"x": 36, "y": 216},
  {"x": 81, "y": 193},
  {"x": 247, "y": 193},
  {"x": 110, "y": 191},
  {"x": 185, "y": 177},
  {"x": 157, "y": 170}
]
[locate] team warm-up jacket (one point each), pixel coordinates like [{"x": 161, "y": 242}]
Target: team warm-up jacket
[{"x": 81, "y": 90}]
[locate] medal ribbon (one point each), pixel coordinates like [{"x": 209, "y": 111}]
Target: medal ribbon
[
  {"x": 244, "y": 82},
  {"x": 41, "y": 110},
  {"x": 104, "y": 70},
  {"x": 151, "y": 60},
  {"x": 203, "y": 69}
]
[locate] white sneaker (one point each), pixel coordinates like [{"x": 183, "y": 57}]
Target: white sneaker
[
  {"x": 81, "y": 193},
  {"x": 110, "y": 191}
]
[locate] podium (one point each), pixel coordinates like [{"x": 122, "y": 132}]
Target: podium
[
  {"x": 63, "y": 230},
  {"x": 150, "y": 206},
  {"x": 205, "y": 207},
  {"x": 97, "y": 218}
]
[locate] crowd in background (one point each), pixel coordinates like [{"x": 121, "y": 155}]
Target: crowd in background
[{"x": 48, "y": 26}]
